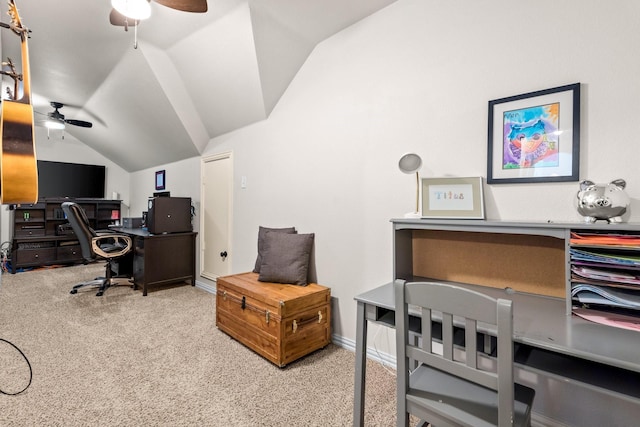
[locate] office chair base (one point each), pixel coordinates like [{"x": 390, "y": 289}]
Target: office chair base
[{"x": 101, "y": 283}]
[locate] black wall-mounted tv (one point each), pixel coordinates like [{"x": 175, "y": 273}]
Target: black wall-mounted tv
[{"x": 59, "y": 179}]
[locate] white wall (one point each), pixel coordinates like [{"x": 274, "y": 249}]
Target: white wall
[
  {"x": 70, "y": 150},
  {"x": 417, "y": 76},
  {"x": 182, "y": 179}
]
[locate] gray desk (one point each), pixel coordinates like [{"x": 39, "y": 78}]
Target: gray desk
[{"x": 584, "y": 373}]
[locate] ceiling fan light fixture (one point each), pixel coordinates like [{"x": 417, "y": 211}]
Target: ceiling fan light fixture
[
  {"x": 54, "y": 124},
  {"x": 134, "y": 9}
]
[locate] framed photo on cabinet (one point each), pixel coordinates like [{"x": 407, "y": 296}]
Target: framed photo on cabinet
[{"x": 460, "y": 198}]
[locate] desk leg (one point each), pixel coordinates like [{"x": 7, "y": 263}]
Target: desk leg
[
  {"x": 361, "y": 367},
  {"x": 193, "y": 260}
]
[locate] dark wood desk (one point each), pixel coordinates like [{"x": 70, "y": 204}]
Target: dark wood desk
[{"x": 162, "y": 259}]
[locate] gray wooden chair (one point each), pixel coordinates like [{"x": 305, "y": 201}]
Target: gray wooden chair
[{"x": 454, "y": 391}]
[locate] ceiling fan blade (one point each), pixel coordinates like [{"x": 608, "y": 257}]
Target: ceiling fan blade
[
  {"x": 118, "y": 19},
  {"x": 196, "y": 6},
  {"x": 80, "y": 123}
]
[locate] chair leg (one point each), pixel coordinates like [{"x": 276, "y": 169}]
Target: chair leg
[
  {"x": 97, "y": 282},
  {"x": 101, "y": 289}
]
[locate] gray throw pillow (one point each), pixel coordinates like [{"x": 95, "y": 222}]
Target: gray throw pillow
[
  {"x": 261, "y": 232},
  {"x": 286, "y": 258}
]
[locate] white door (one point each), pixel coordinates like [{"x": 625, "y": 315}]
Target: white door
[{"x": 215, "y": 226}]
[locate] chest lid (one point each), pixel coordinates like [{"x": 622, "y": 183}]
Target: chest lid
[{"x": 282, "y": 298}]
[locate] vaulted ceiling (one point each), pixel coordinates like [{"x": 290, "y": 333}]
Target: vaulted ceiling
[{"x": 191, "y": 78}]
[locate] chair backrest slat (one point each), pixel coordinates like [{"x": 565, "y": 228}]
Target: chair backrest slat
[
  {"x": 471, "y": 343},
  {"x": 427, "y": 335},
  {"x": 447, "y": 336}
]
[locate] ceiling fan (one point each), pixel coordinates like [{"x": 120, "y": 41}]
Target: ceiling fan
[
  {"x": 130, "y": 12},
  {"x": 56, "y": 120}
]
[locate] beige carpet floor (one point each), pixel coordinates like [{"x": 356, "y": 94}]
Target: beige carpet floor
[{"x": 127, "y": 360}]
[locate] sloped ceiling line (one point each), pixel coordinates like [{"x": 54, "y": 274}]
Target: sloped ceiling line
[
  {"x": 194, "y": 77},
  {"x": 280, "y": 53},
  {"x": 174, "y": 87}
]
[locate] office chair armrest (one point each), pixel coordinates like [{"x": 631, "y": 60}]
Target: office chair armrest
[
  {"x": 117, "y": 238},
  {"x": 105, "y": 231}
]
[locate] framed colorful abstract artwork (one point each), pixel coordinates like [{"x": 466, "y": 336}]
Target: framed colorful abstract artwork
[{"x": 535, "y": 137}]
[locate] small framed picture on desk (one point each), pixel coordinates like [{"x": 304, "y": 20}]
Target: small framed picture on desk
[{"x": 160, "y": 180}]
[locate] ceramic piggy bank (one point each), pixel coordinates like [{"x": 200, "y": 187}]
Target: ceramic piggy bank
[{"x": 603, "y": 201}]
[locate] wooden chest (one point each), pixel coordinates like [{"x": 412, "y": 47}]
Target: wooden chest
[{"x": 280, "y": 322}]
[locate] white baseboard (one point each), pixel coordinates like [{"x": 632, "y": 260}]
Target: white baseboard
[
  {"x": 539, "y": 420},
  {"x": 373, "y": 354},
  {"x": 206, "y": 287}
]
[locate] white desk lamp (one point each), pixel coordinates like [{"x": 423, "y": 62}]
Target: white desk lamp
[{"x": 411, "y": 163}]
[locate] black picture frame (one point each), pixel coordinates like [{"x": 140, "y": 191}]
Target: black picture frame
[
  {"x": 547, "y": 124},
  {"x": 160, "y": 180}
]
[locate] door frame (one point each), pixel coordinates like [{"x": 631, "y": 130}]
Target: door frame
[{"x": 208, "y": 159}]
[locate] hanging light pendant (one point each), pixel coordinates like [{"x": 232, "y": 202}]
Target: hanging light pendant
[
  {"x": 54, "y": 124},
  {"x": 134, "y": 9}
]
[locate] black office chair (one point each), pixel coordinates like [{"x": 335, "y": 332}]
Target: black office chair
[{"x": 96, "y": 245}]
